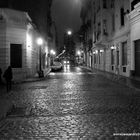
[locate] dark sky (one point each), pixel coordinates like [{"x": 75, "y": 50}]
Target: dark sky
[{"x": 66, "y": 14}]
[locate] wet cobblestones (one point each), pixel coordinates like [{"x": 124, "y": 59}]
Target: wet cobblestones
[
  {"x": 70, "y": 127},
  {"x": 72, "y": 107}
]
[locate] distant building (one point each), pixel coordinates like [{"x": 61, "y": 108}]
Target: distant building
[
  {"x": 69, "y": 46},
  {"x": 86, "y": 31},
  {"x": 18, "y": 46}
]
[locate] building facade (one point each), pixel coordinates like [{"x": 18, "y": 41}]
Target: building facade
[
  {"x": 135, "y": 37},
  {"x": 111, "y": 43},
  {"x": 115, "y": 31},
  {"x": 18, "y": 46}
]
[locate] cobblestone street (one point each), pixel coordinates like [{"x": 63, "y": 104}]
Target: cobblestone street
[{"x": 74, "y": 104}]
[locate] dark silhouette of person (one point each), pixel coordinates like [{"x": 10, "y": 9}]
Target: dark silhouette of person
[
  {"x": 0, "y": 76},
  {"x": 8, "y": 75}
]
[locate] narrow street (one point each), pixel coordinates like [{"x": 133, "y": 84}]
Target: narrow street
[{"x": 73, "y": 104}]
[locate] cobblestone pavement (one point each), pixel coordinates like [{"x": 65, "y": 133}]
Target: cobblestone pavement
[{"x": 72, "y": 105}]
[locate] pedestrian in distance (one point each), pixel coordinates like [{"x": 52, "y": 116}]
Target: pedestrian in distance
[
  {"x": 0, "y": 76},
  {"x": 8, "y": 75}
]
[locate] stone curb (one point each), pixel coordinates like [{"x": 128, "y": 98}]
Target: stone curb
[{"x": 33, "y": 79}]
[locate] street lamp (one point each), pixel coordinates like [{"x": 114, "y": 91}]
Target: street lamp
[
  {"x": 79, "y": 53},
  {"x": 40, "y": 42},
  {"x": 68, "y": 41},
  {"x": 52, "y": 52},
  {"x": 69, "y": 32}
]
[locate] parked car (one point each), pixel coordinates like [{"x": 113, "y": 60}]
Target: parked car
[{"x": 56, "y": 66}]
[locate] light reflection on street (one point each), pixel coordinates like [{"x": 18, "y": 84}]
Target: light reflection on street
[
  {"x": 72, "y": 107},
  {"x": 66, "y": 68},
  {"x": 52, "y": 73},
  {"x": 78, "y": 69}
]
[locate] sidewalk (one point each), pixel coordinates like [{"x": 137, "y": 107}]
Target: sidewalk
[
  {"x": 5, "y": 103},
  {"x": 130, "y": 82},
  {"x": 34, "y": 79}
]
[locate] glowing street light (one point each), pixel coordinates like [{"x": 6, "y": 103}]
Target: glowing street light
[
  {"x": 52, "y": 52},
  {"x": 69, "y": 32},
  {"x": 79, "y": 53},
  {"x": 39, "y": 41}
]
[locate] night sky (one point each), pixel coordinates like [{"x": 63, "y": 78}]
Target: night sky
[{"x": 66, "y": 14}]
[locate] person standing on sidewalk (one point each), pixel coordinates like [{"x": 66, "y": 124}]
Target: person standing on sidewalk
[{"x": 8, "y": 75}]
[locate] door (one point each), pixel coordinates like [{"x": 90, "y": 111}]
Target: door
[
  {"x": 137, "y": 57},
  {"x": 16, "y": 55}
]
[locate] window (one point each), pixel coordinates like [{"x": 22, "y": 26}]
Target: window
[
  {"x": 122, "y": 16},
  {"x": 104, "y": 4},
  {"x": 113, "y": 22},
  {"x": 124, "y": 53},
  {"x": 112, "y": 3},
  {"x": 16, "y": 55},
  {"x": 99, "y": 31},
  {"x": 99, "y": 57},
  {"x": 1, "y": 17},
  {"x": 94, "y": 17},
  {"x": 99, "y": 27},
  {"x": 94, "y": 58},
  {"x": 118, "y": 57},
  {"x": 98, "y": 9},
  {"x": 112, "y": 56},
  {"x": 105, "y": 27},
  {"x": 94, "y": 20}
]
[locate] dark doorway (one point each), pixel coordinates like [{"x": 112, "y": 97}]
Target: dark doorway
[
  {"x": 137, "y": 57},
  {"x": 16, "y": 55}
]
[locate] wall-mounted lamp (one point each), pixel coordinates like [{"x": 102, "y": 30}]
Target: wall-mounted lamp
[
  {"x": 113, "y": 47},
  {"x": 101, "y": 51}
]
